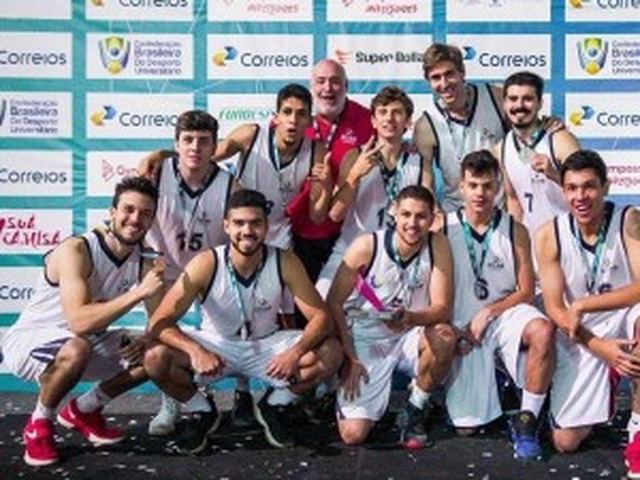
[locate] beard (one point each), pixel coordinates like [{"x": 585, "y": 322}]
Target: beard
[
  {"x": 257, "y": 246},
  {"x": 125, "y": 241}
]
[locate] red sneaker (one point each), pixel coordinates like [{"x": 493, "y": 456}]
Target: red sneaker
[
  {"x": 92, "y": 425},
  {"x": 632, "y": 457},
  {"x": 38, "y": 442}
]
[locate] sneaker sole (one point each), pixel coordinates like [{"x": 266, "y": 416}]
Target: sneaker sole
[
  {"x": 34, "y": 462},
  {"x": 205, "y": 441},
  {"x": 94, "y": 439},
  {"x": 267, "y": 433}
]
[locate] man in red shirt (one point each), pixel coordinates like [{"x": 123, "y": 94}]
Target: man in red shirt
[{"x": 341, "y": 124}]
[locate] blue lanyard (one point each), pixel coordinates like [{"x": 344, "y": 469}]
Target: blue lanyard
[
  {"x": 286, "y": 188},
  {"x": 414, "y": 274},
  {"x": 392, "y": 179},
  {"x": 592, "y": 270}
]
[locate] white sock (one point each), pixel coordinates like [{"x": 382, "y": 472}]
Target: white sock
[
  {"x": 633, "y": 426},
  {"x": 281, "y": 396},
  {"x": 532, "y": 402},
  {"x": 198, "y": 403},
  {"x": 242, "y": 384},
  {"x": 42, "y": 411},
  {"x": 92, "y": 400},
  {"x": 418, "y": 396}
]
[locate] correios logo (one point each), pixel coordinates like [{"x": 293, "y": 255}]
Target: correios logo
[
  {"x": 578, "y": 3},
  {"x": 496, "y": 59},
  {"x": 99, "y": 117},
  {"x": 592, "y": 53},
  {"x": 114, "y": 53},
  {"x": 578, "y": 117},
  {"x": 221, "y": 57},
  {"x": 98, "y": 3}
]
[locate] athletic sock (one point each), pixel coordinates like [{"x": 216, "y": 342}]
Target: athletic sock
[
  {"x": 197, "y": 403},
  {"x": 42, "y": 411},
  {"x": 92, "y": 400},
  {"x": 418, "y": 397},
  {"x": 633, "y": 426},
  {"x": 532, "y": 402}
]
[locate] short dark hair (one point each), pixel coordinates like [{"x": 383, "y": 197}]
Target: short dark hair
[
  {"x": 417, "y": 192},
  {"x": 245, "y": 197},
  {"x": 479, "y": 163},
  {"x": 294, "y": 90},
  {"x": 582, "y": 160},
  {"x": 440, "y": 52},
  {"x": 196, "y": 120},
  {"x": 529, "y": 79},
  {"x": 135, "y": 184},
  {"x": 389, "y": 94}
]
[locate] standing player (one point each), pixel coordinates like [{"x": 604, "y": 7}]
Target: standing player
[
  {"x": 589, "y": 260},
  {"x": 61, "y": 337},
  {"x": 241, "y": 285},
  {"x": 530, "y": 156},
  {"x": 494, "y": 285},
  {"x": 371, "y": 177},
  {"x": 408, "y": 273}
]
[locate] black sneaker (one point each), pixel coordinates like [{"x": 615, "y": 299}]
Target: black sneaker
[
  {"x": 193, "y": 432},
  {"x": 322, "y": 410},
  {"x": 410, "y": 420},
  {"x": 523, "y": 429},
  {"x": 242, "y": 413},
  {"x": 271, "y": 418}
]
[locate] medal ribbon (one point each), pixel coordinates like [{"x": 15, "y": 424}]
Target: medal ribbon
[
  {"x": 598, "y": 247},
  {"x": 468, "y": 240}
]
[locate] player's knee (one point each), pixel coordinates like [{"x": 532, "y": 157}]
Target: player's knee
[
  {"x": 353, "y": 434},
  {"x": 442, "y": 340},
  {"x": 157, "y": 360},
  {"x": 565, "y": 442},
  {"x": 541, "y": 332},
  {"x": 466, "y": 431},
  {"x": 75, "y": 352}
]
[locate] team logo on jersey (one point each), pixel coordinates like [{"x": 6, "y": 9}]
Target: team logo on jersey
[
  {"x": 592, "y": 53},
  {"x": 114, "y": 53},
  {"x": 496, "y": 263}
]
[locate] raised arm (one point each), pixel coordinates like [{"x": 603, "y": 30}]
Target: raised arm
[
  {"x": 321, "y": 184},
  {"x": 425, "y": 141},
  {"x": 239, "y": 141}
]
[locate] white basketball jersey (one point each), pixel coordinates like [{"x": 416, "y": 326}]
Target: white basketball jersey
[
  {"x": 260, "y": 294},
  {"x": 369, "y": 210},
  {"x": 499, "y": 269},
  {"x": 454, "y": 139},
  {"x": 396, "y": 284},
  {"x": 109, "y": 278},
  {"x": 577, "y": 258},
  {"x": 279, "y": 183},
  {"x": 188, "y": 222},
  {"x": 541, "y": 198}
]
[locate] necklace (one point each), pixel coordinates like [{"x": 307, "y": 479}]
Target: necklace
[{"x": 480, "y": 285}]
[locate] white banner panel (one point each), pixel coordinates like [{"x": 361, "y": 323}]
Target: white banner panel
[
  {"x": 131, "y": 115},
  {"x": 382, "y": 57},
  {"x": 235, "y": 110},
  {"x": 35, "y": 55},
  {"x": 106, "y": 169},
  {"x": 614, "y": 115},
  {"x": 132, "y": 10},
  {"x": 594, "y": 56},
  {"x": 139, "y": 56},
  {"x": 623, "y": 169},
  {"x": 36, "y": 173},
  {"x": 499, "y": 10},
  {"x": 33, "y": 231},
  {"x": 260, "y": 11},
  {"x": 35, "y": 114},
  {"x": 379, "y": 11},
  {"x": 49, "y": 10},
  {"x": 16, "y": 287},
  {"x": 286, "y": 57},
  {"x": 602, "y": 10},
  {"x": 498, "y": 56}
]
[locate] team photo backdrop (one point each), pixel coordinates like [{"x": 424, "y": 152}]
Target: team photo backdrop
[{"x": 88, "y": 87}]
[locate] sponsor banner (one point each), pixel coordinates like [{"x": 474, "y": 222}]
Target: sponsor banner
[
  {"x": 260, "y": 10},
  {"x": 32, "y": 231},
  {"x": 106, "y": 169},
  {"x": 36, "y": 173},
  {"x": 602, "y": 56},
  {"x": 35, "y": 114},
  {"x": 498, "y": 56},
  {"x": 379, "y": 57},
  {"x": 379, "y": 11},
  {"x": 36, "y": 9},
  {"x": 623, "y": 170},
  {"x": 17, "y": 287},
  {"x": 139, "y": 56},
  {"x": 614, "y": 115},
  {"x": 601, "y": 10},
  {"x": 35, "y": 55},
  {"x": 286, "y": 57},
  {"x": 144, "y": 10},
  {"x": 134, "y": 115},
  {"x": 234, "y": 110},
  {"x": 499, "y": 10}
]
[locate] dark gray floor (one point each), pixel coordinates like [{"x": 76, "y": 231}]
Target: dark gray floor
[{"x": 244, "y": 454}]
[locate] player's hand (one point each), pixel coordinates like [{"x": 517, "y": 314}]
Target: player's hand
[
  {"x": 284, "y": 366},
  {"x": 205, "y": 362},
  {"x": 400, "y": 320},
  {"x": 552, "y": 124},
  {"x": 153, "y": 281},
  {"x": 479, "y": 324},
  {"x": 617, "y": 353},
  {"x": 464, "y": 341},
  {"x": 149, "y": 166},
  {"x": 574, "y": 314},
  {"x": 352, "y": 373},
  {"x": 541, "y": 163},
  {"x": 366, "y": 160},
  {"x": 132, "y": 351},
  {"x": 321, "y": 173}
]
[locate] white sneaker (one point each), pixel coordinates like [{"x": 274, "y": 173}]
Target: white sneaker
[{"x": 164, "y": 422}]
